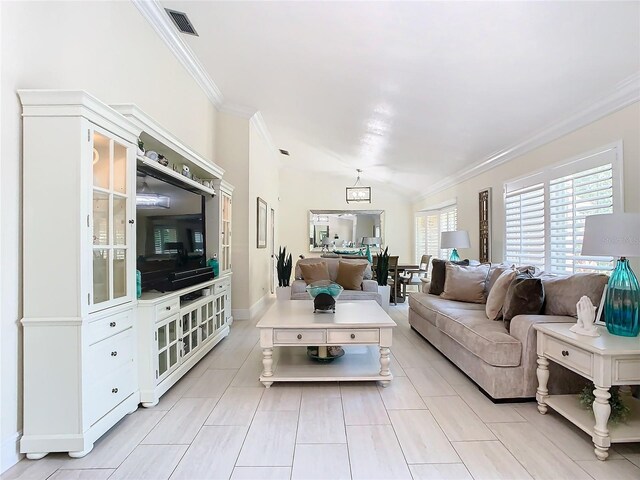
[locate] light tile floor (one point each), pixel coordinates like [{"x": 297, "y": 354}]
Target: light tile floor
[{"x": 430, "y": 423}]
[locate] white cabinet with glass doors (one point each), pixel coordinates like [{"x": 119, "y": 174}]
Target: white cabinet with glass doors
[{"x": 80, "y": 372}]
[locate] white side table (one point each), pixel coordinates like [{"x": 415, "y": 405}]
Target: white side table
[{"x": 606, "y": 360}]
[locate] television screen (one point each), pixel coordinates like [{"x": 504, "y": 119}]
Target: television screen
[{"x": 170, "y": 236}]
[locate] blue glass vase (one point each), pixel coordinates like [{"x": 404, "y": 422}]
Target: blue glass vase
[
  {"x": 454, "y": 257},
  {"x": 368, "y": 254},
  {"x": 623, "y": 301}
]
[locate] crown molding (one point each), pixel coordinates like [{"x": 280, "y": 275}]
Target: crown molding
[
  {"x": 154, "y": 13},
  {"x": 622, "y": 95},
  {"x": 237, "y": 110},
  {"x": 257, "y": 120}
]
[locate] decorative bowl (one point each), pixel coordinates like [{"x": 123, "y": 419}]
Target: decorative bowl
[{"x": 324, "y": 286}]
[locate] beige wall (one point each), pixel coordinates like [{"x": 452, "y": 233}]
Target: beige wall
[
  {"x": 109, "y": 50},
  {"x": 622, "y": 125},
  {"x": 264, "y": 183},
  {"x": 302, "y": 191},
  {"x": 232, "y": 153}
]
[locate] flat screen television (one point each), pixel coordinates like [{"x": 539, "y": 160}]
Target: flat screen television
[{"x": 170, "y": 234}]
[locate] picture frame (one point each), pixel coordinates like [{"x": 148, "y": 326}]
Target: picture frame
[
  {"x": 261, "y": 223},
  {"x": 484, "y": 215}
]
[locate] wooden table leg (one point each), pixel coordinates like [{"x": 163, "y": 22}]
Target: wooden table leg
[
  {"x": 601, "y": 410},
  {"x": 542, "y": 372},
  {"x": 267, "y": 365},
  {"x": 385, "y": 360}
]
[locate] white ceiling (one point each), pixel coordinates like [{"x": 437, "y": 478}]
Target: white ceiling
[{"x": 412, "y": 93}]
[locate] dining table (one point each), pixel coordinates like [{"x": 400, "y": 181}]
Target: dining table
[{"x": 395, "y": 272}]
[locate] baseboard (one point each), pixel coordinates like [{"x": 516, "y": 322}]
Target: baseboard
[
  {"x": 256, "y": 309},
  {"x": 10, "y": 451}
]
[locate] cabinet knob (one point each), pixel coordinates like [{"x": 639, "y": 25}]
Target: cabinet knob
[
  {"x": 114, "y": 354},
  {"x": 112, "y": 324},
  {"x": 132, "y": 221},
  {"x": 299, "y": 336},
  {"x": 168, "y": 308},
  {"x": 565, "y": 353},
  {"x": 353, "y": 335},
  {"x": 114, "y": 390}
]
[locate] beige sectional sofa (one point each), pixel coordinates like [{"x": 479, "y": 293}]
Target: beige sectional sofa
[
  {"x": 501, "y": 361},
  {"x": 369, "y": 289}
]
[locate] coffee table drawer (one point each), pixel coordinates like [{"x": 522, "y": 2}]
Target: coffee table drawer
[
  {"x": 569, "y": 356},
  {"x": 355, "y": 335},
  {"x": 303, "y": 336}
]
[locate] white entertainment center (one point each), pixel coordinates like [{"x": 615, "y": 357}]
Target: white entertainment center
[{"x": 93, "y": 351}]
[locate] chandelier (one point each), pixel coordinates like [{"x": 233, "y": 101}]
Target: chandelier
[{"x": 358, "y": 193}]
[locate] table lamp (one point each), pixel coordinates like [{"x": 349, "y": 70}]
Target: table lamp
[
  {"x": 326, "y": 241},
  {"x": 617, "y": 235},
  {"x": 368, "y": 241},
  {"x": 455, "y": 239}
]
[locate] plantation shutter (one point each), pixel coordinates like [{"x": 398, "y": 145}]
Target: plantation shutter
[
  {"x": 525, "y": 225},
  {"x": 571, "y": 199},
  {"x": 421, "y": 236},
  {"x": 448, "y": 223},
  {"x": 433, "y": 235}
]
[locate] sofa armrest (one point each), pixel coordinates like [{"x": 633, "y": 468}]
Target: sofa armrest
[
  {"x": 521, "y": 329},
  {"x": 426, "y": 284},
  {"x": 298, "y": 286},
  {"x": 370, "y": 286}
]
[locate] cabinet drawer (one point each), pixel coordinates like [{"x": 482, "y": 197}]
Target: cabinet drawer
[
  {"x": 167, "y": 309},
  {"x": 108, "y": 392},
  {"x": 220, "y": 287},
  {"x": 569, "y": 356},
  {"x": 109, "y": 326},
  {"x": 304, "y": 337},
  {"x": 344, "y": 335},
  {"x": 106, "y": 356}
]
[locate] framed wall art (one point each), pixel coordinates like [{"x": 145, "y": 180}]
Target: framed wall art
[
  {"x": 484, "y": 206},
  {"x": 261, "y": 236}
]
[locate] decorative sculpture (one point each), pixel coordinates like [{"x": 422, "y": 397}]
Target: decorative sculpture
[{"x": 586, "y": 318}]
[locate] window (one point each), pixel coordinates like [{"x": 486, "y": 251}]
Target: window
[
  {"x": 162, "y": 236},
  {"x": 545, "y": 212},
  {"x": 428, "y": 227}
]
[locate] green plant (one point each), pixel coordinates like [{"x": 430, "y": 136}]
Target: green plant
[
  {"x": 283, "y": 266},
  {"x": 619, "y": 411},
  {"x": 382, "y": 267}
]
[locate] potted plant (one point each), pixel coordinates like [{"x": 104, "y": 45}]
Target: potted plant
[
  {"x": 283, "y": 267},
  {"x": 382, "y": 275}
]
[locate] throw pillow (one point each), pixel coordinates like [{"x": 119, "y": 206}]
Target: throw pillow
[
  {"x": 495, "y": 271},
  {"x": 313, "y": 272},
  {"x": 498, "y": 293},
  {"x": 465, "y": 283},
  {"x": 562, "y": 293},
  {"x": 525, "y": 296},
  {"x": 350, "y": 275},
  {"x": 438, "y": 274}
]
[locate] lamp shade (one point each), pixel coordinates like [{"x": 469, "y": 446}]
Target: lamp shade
[
  {"x": 455, "y": 239},
  {"x": 370, "y": 240},
  {"x": 614, "y": 234},
  {"x": 326, "y": 241}
]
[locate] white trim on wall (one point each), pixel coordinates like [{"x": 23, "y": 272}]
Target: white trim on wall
[
  {"x": 250, "y": 313},
  {"x": 10, "y": 451},
  {"x": 622, "y": 95}
]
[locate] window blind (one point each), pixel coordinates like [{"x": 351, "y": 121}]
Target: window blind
[
  {"x": 448, "y": 223},
  {"x": 571, "y": 199},
  {"x": 524, "y": 226},
  {"x": 162, "y": 235},
  {"x": 429, "y": 226}
]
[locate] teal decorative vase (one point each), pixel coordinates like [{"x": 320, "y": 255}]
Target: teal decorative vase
[
  {"x": 454, "y": 256},
  {"x": 368, "y": 254},
  {"x": 138, "y": 284},
  {"x": 623, "y": 301}
]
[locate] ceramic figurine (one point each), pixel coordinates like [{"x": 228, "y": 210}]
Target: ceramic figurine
[
  {"x": 586, "y": 318},
  {"x": 151, "y": 155},
  {"x": 162, "y": 160},
  {"x": 185, "y": 170}
]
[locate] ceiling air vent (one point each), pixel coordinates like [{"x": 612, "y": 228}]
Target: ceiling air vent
[
  {"x": 284, "y": 152},
  {"x": 182, "y": 22}
]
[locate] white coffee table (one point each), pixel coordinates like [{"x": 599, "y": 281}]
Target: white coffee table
[{"x": 362, "y": 328}]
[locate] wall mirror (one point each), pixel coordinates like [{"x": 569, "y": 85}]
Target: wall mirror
[{"x": 345, "y": 231}]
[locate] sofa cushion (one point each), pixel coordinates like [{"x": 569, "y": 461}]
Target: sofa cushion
[
  {"x": 313, "y": 272},
  {"x": 439, "y": 273},
  {"x": 486, "y": 339},
  {"x": 525, "y": 296},
  {"x": 350, "y": 275},
  {"x": 563, "y": 293},
  {"x": 498, "y": 293},
  {"x": 465, "y": 283},
  {"x": 332, "y": 265},
  {"x": 495, "y": 270},
  {"x": 428, "y": 306}
]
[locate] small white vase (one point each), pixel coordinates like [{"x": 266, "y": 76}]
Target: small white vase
[
  {"x": 385, "y": 292},
  {"x": 283, "y": 293}
]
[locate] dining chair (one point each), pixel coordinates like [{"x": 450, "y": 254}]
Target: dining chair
[
  {"x": 393, "y": 279},
  {"x": 412, "y": 277}
]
